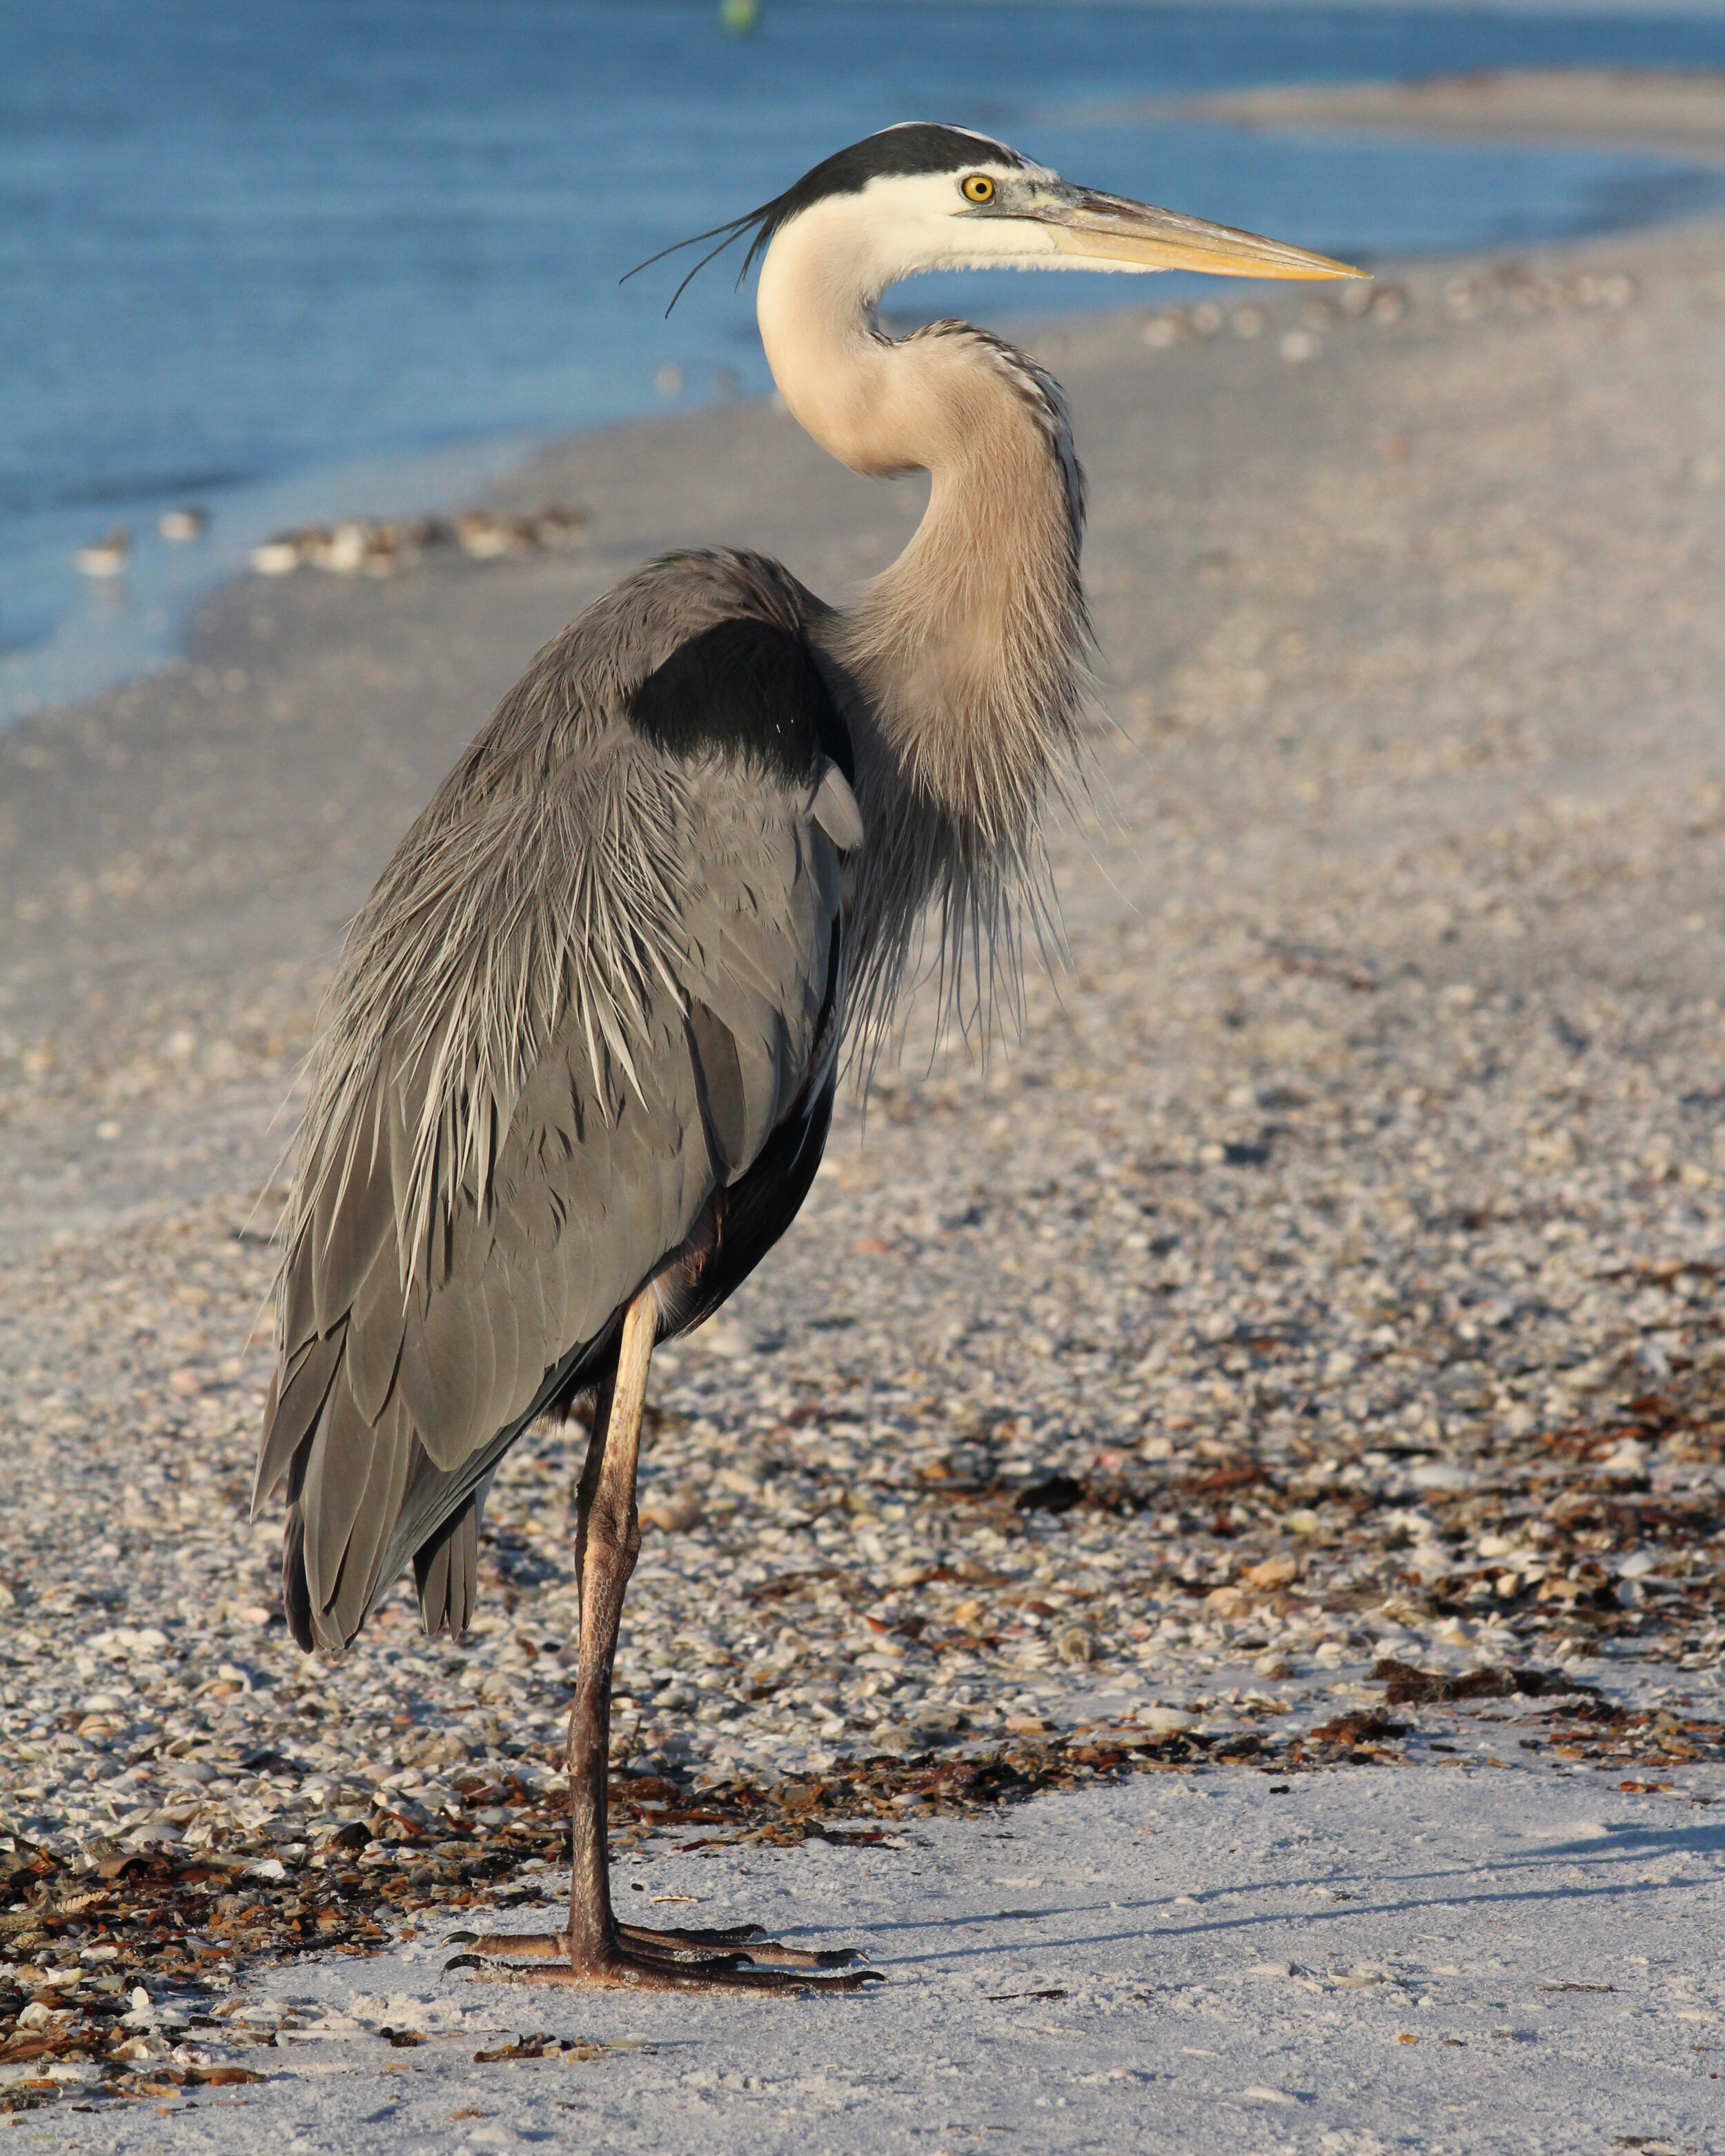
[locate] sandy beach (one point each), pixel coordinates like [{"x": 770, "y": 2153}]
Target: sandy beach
[
  {"x": 1325, "y": 1286},
  {"x": 1676, "y": 115}
]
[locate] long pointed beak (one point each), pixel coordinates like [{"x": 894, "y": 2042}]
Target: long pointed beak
[{"x": 1109, "y": 232}]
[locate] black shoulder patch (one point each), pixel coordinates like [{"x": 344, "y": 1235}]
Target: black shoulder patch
[{"x": 745, "y": 688}]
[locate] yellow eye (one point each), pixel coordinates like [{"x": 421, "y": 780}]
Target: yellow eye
[{"x": 980, "y": 188}]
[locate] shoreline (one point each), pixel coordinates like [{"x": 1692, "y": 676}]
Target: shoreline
[
  {"x": 1677, "y": 114},
  {"x": 138, "y": 623}
]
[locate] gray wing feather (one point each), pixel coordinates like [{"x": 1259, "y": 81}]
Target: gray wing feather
[
  {"x": 391, "y": 1458},
  {"x": 417, "y": 1343},
  {"x": 433, "y": 1578},
  {"x": 595, "y": 1182},
  {"x": 449, "y": 1577},
  {"x": 290, "y": 1412},
  {"x": 353, "y": 1219},
  {"x": 339, "y": 1467},
  {"x": 374, "y": 1340},
  {"x": 437, "y": 1374},
  {"x": 718, "y": 1079}
]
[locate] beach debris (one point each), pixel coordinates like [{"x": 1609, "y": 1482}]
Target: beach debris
[
  {"x": 1513, "y": 288},
  {"x": 571, "y": 2050},
  {"x": 674, "y": 1515},
  {"x": 487, "y": 536},
  {"x": 107, "y": 557},
  {"x": 359, "y": 547},
  {"x": 1057, "y": 1493},
  {"x": 1364, "y": 301},
  {"x": 1353, "y": 1729},
  {"x": 83, "y": 1936},
  {"x": 1405, "y": 1686},
  {"x": 180, "y": 527},
  {"x": 1505, "y": 288}
]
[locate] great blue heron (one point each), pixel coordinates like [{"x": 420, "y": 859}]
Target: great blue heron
[{"x": 581, "y": 1046}]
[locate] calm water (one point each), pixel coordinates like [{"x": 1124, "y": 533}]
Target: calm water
[{"x": 348, "y": 256}]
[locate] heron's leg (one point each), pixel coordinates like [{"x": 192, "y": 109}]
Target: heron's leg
[
  {"x": 607, "y": 1542},
  {"x": 596, "y": 1949},
  {"x": 555, "y": 1945}
]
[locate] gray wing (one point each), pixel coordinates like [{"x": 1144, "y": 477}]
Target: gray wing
[{"x": 473, "y": 1220}]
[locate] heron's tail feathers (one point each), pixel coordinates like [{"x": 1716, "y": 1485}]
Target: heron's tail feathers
[
  {"x": 295, "y": 1593},
  {"x": 362, "y": 1497},
  {"x": 446, "y": 1571}
]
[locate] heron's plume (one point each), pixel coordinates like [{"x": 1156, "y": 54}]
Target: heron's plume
[
  {"x": 970, "y": 658},
  {"x": 466, "y": 962}
]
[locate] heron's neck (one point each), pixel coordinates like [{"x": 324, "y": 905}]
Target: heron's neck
[{"x": 967, "y": 653}]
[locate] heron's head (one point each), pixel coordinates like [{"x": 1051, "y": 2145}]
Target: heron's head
[
  {"x": 920, "y": 197},
  {"x": 923, "y": 198}
]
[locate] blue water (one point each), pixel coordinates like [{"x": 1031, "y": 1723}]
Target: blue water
[{"x": 328, "y": 256}]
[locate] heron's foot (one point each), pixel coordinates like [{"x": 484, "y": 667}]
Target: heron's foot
[
  {"x": 636, "y": 1959},
  {"x": 746, "y": 1941}
]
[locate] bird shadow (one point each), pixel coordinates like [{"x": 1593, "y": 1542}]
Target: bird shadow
[{"x": 1622, "y": 1843}]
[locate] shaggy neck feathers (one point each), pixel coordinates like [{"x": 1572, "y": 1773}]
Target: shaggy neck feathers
[{"x": 964, "y": 661}]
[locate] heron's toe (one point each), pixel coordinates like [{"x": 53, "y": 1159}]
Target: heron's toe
[{"x": 685, "y": 1945}]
